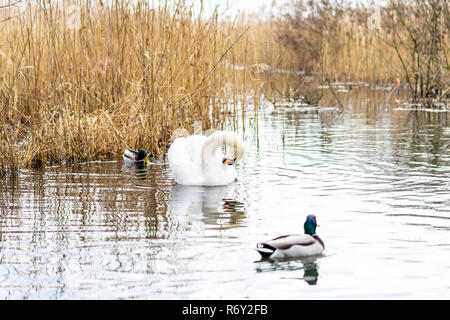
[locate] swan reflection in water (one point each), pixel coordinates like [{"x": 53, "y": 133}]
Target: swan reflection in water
[
  {"x": 307, "y": 264},
  {"x": 214, "y": 206}
]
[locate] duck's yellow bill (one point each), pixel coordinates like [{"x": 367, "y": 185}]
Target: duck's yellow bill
[{"x": 146, "y": 159}]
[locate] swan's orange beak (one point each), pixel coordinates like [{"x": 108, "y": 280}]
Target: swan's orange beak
[{"x": 228, "y": 161}]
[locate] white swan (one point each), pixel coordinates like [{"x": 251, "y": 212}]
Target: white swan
[{"x": 198, "y": 160}]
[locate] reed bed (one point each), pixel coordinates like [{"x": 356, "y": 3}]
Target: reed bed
[
  {"x": 403, "y": 44},
  {"x": 83, "y": 80}
]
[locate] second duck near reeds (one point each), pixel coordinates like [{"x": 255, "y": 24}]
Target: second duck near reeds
[{"x": 133, "y": 156}]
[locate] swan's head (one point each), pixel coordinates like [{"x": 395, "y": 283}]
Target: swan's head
[
  {"x": 310, "y": 225},
  {"x": 235, "y": 147},
  {"x": 228, "y": 161}
]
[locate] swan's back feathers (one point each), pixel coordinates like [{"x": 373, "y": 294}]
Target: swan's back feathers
[{"x": 186, "y": 150}]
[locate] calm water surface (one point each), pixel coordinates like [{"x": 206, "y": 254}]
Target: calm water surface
[{"x": 376, "y": 177}]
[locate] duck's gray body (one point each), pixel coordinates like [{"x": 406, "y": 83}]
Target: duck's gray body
[{"x": 291, "y": 246}]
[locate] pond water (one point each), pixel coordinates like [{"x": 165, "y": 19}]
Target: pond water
[{"x": 376, "y": 176}]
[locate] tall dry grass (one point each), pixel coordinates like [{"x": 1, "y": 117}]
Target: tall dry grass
[
  {"x": 404, "y": 43},
  {"x": 82, "y": 80}
]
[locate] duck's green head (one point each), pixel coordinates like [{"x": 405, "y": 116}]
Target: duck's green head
[
  {"x": 310, "y": 225},
  {"x": 142, "y": 155}
]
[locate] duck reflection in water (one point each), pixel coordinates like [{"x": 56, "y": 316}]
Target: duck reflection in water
[
  {"x": 307, "y": 264},
  {"x": 214, "y": 206},
  {"x": 139, "y": 169},
  {"x": 310, "y": 274}
]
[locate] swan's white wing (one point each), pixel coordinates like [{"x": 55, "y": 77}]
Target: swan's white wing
[
  {"x": 184, "y": 157},
  {"x": 186, "y": 150},
  {"x": 195, "y": 146}
]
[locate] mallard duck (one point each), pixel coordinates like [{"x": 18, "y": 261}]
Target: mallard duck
[
  {"x": 294, "y": 245},
  {"x": 198, "y": 160},
  {"x": 132, "y": 156}
]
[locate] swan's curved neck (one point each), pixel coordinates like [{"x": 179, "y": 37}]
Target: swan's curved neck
[{"x": 234, "y": 145}]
